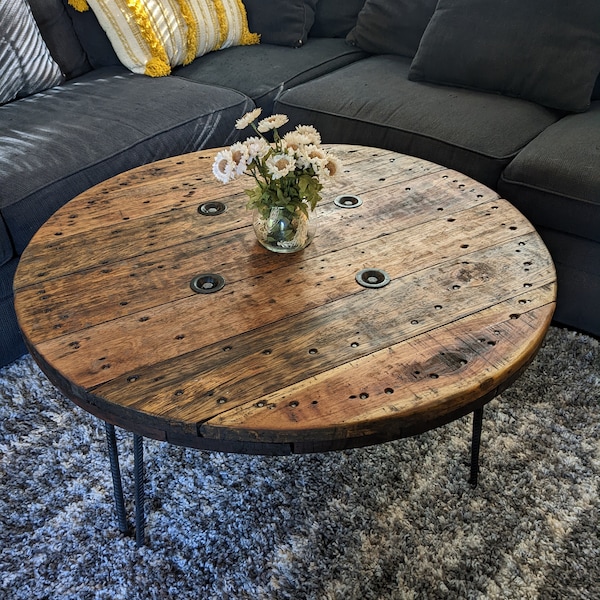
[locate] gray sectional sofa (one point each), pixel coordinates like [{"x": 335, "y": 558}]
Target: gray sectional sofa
[{"x": 502, "y": 91}]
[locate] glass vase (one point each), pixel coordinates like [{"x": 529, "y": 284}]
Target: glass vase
[{"x": 282, "y": 230}]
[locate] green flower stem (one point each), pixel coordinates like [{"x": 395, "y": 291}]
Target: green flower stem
[{"x": 298, "y": 190}]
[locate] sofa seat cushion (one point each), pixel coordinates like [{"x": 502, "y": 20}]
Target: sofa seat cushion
[
  {"x": 555, "y": 179},
  {"x": 577, "y": 262},
  {"x": 11, "y": 341},
  {"x": 262, "y": 72},
  {"x": 57, "y": 144},
  {"x": 372, "y": 102}
]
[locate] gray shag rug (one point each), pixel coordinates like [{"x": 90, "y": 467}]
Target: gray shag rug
[{"x": 395, "y": 521}]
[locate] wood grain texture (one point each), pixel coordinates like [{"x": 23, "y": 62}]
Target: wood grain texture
[{"x": 292, "y": 355}]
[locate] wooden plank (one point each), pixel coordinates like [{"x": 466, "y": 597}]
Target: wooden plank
[
  {"x": 163, "y": 275},
  {"x": 98, "y": 227},
  {"x": 203, "y": 384},
  {"x": 402, "y": 386},
  {"x": 240, "y": 368},
  {"x": 152, "y": 336}
]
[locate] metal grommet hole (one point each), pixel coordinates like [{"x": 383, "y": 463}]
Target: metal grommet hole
[
  {"x": 207, "y": 283},
  {"x": 347, "y": 201},
  {"x": 372, "y": 278},
  {"x": 210, "y": 209}
]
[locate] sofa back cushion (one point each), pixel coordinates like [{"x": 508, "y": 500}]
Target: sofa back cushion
[
  {"x": 92, "y": 37},
  {"x": 6, "y": 248},
  {"x": 27, "y": 65},
  {"x": 60, "y": 37},
  {"x": 545, "y": 51},
  {"x": 281, "y": 22},
  {"x": 596, "y": 92},
  {"x": 335, "y": 18},
  {"x": 391, "y": 26}
]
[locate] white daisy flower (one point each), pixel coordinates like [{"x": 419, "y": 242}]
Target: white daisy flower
[
  {"x": 332, "y": 166},
  {"x": 290, "y": 163},
  {"x": 257, "y": 148},
  {"x": 310, "y": 133},
  {"x": 312, "y": 156},
  {"x": 272, "y": 122},
  {"x": 224, "y": 167},
  {"x": 240, "y": 156},
  {"x": 295, "y": 141},
  {"x": 248, "y": 118},
  {"x": 279, "y": 165}
]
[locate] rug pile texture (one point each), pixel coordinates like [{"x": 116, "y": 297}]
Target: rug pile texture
[{"x": 389, "y": 522}]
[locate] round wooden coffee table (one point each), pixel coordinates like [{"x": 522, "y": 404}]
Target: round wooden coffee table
[{"x": 421, "y": 298}]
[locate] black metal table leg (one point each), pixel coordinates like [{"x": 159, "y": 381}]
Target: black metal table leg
[
  {"x": 475, "y": 444},
  {"x": 138, "y": 462},
  {"x": 115, "y": 469}
]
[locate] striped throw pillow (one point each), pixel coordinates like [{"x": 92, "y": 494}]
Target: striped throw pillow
[
  {"x": 152, "y": 36},
  {"x": 26, "y": 64}
]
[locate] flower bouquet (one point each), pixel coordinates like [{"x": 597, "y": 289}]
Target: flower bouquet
[{"x": 288, "y": 173}]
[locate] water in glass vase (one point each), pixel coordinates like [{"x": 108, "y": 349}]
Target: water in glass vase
[{"x": 282, "y": 230}]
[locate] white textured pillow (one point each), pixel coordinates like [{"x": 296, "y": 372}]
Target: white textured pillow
[
  {"x": 27, "y": 66},
  {"x": 151, "y": 36}
]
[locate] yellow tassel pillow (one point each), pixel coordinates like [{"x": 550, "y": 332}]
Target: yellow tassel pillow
[{"x": 152, "y": 36}]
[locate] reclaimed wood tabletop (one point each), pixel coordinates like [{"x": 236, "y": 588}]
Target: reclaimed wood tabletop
[{"x": 293, "y": 354}]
